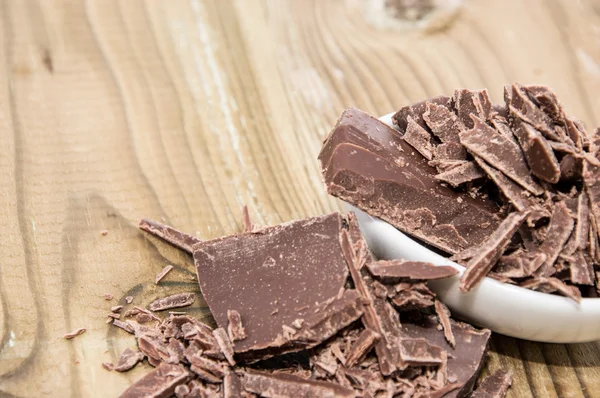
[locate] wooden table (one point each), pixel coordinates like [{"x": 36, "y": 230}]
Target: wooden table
[{"x": 184, "y": 110}]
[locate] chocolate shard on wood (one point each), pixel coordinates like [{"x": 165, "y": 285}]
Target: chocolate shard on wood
[
  {"x": 128, "y": 360},
  {"x": 272, "y": 277},
  {"x": 366, "y": 340},
  {"x": 171, "y": 235},
  {"x": 466, "y": 359},
  {"x": 513, "y": 192},
  {"x": 551, "y": 285},
  {"x": 490, "y": 251},
  {"x": 538, "y": 153},
  {"x": 280, "y": 385},
  {"x": 467, "y": 172},
  {"x": 74, "y": 333},
  {"x": 499, "y": 152},
  {"x": 235, "y": 328},
  {"x": 442, "y": 122},
  {"x": 367, "y": 163},
  {"x": 416, "y": 112},
  {"x": 393, "y": 270},
  {"x": 443, "y": 314},
  {"x": 160, "y": 383},
  {"x": 560, "y": 228},
  {"x": 174, "y": 301},
  {"x": 494, "y": 386},
  {"x": 162, "y": 274},
  {"x": 419, "y": 138}
]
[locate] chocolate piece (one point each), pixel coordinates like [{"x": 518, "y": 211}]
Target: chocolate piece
[
  {"x": 162, "y": 274},
  {"x": 420, "y": 352},
  {"x": 174, "y": 301},
  {"x": 537, "y": 151},
  {"x": 490, "y": 251},
  {"x": 494, "y": 386},
  {"x": 559, "y": 230},
  {"x": 74, "y": 333},
  {"x": 521, "y": 107},
  {"x": 128, "y": 360},
  {"x": 160, "y": 383},
  {"x": 366, "y": 341},
  {"x": 129, "y": 299},
  {"x": 450, "y": 151},
  {"x": 465, "y": 360},
  {"x": 171, "y": 235},
  {"x": 232, "y": 386},
  {"x": 108, "y": 366},
  {"x": 280, "y": 385},
  {"x": 416, "y": 111},
  {"x": 581, "y": 269},
  {"x": 182, "y": 391},
  {"x": 519, "y": 264},
  {"x": 442, "y": 122},
  {"x": 499, "y": 152},
  {"x": 125, "y": 326},
  {"x": 395, "y": 269},
  {"x": 551, "y": 285},
  {"x": 468, "y": 103},
  {"x": 116, "y": 308},
  {"x": 467, "y": 172},
  {"x": 208, "y": 365},
  {"x": 419, "y": 139},
  {"x": 443, "y": 314},
  {"x": 225, "y": 344},
  {"x": 513, "y": 192},
  {"x": 290, "y": 266},
  {"x": 235, "y": 329},
  {"x": 412, "y": 298},
  {"x": 108, "y": 296}
]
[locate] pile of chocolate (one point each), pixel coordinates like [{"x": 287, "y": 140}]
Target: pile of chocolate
[
  {"x": 304, "y": 310},
  {"x": 511, "y": 191}
]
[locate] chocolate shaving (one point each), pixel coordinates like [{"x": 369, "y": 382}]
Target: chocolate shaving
[
  {"x": 470, "y": 104},
  {"x": 125, "y": 326},
  {"x": 560, "y": 228},
  {"x": 162, "y": 274},
  {"x": 416, "y": 112},
  {"x": 232, "y": 386},
  {"x": 108, "y": 296},
  {"x": 129, "y": 299},
  {"x": 128, "y": 360},
  {"x": 490, "y": 251},
  {"x": 467, "y": 172},
  {"x": 443, "y": 314},
  {"x": 551, "y": 285},
  {"x": 450, "y": 151},
  {"x": 494, "y": 386},
  {"x": 519, "y": 264},
  {"x": 513, "y": 192},
  {"x": 174, "y": 301},
  {"x": 160, "y": 383},
  {"x": 225, "y": 344},
  {"x": 390, "y": 270},
  {"x": 171, "y": 235},
  {"x": 442, "y": 122},
  {"x": 235, "y": 329},
  {"x": 247, "y": 225},
  {"x": 366, "y": 340},
  {"x": 108, "y": 366},
  {"x": 500, "y": 153},
  {"x": 419, "y": 139},
  {"x": 74, "y": 333},
  {"x": 116, "y": 308},
  {"x": 538, "y": 153},
  {"x": 282, "y": 385}
]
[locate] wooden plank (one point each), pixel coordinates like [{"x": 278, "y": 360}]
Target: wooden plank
[{"x": 115, "y": 110}]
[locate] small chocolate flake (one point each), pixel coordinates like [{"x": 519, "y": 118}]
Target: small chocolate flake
[
  {"x": 204, "y": 374},
  {"x": 108, "y": 366},
  {"x": 109, "y": 319},
  {"x": 160, "y": 383},
  {"x": 419, "y": 138},
  {"x": 360, "y": 348},
  {"x": 247, "y": 225},
  {"x": 560, "y": 228},
  {"x": 162, "y": 274},
  {"x": 116, "y": 308},
  {"x": 129, "y": 299},
  {"x": 513, "y": 192},
  {"x": 490, "y": 251},
  {"x": 225, "y": 344},
  {"x": 419, "y": 352},
  {"x": 551, "y": 285},
  {"x": 494, "y": 386},
  {"x": 466, "y": 172},
  {"x": 128, "y": 360},
  {"x": 108, "y": 296},
  {"x": 104, "y": 232},
  {"x": 443, "y": 314},
  {"x": 182, "y": 391},
  {"x": 74, "y": 333},
  {"x": 232, "y": 386},
  {"x": 171, "y": 235},
  {"x": 442, "y": 122},
  {"x": 235, "y": 328},
  {"x": 416, "y": 270},
  {"x": 125, "y": 326},
  {"x": 173, "y": 301},
  {"x": 538, "y": 153}
]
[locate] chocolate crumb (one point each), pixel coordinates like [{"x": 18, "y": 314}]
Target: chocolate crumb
[
  {"x": 116, "y": 308},
  {"x": 74, "y": 333},
  {"x": 129, "y": 299},
  {"x": 104, "y": 232},
  {"x": 108, "y": 366},
  {"x": 162, "y": 274},
  {"x": 108, "y": 296}
]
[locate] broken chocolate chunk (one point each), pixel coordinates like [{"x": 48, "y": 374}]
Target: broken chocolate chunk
[
  {"x": 490, "y": 251},
  {"x": 128, "y": 360},
  {"x": 470, "y": 104},
  {"x": 74, "y": 333},
  {"x": 160, "y": 383},
  {"x": 391, "y": 270},
  {"x": 417, "y": 112},
  {"x": 419, "y": 139},
  {"x": 466, "y": 172},
  {"x": 225, "y": 345},
  {"x": 171, "y": 235},
  {"x": 559, "y": 230},
  {"x": 280, "y": 385},
  {"x": 174, "y": 301},
  {"x": 162, "y": 274},
  {"x": 443, "y": 314},
  {"x": 442, "y": 122},
  {"x": 538, "y": 153},
  {"x": 361, "y": 347},
  {"x": 420, "y": 352}
]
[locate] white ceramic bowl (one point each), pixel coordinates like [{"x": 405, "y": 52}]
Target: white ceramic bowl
[{"x": 503, "y": 308}]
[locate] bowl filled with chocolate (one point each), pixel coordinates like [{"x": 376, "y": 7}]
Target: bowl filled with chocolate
[{"x": 508, "y": 195}]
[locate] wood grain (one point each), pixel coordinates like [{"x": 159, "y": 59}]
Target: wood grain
[{"x": 111, "y": 111}]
